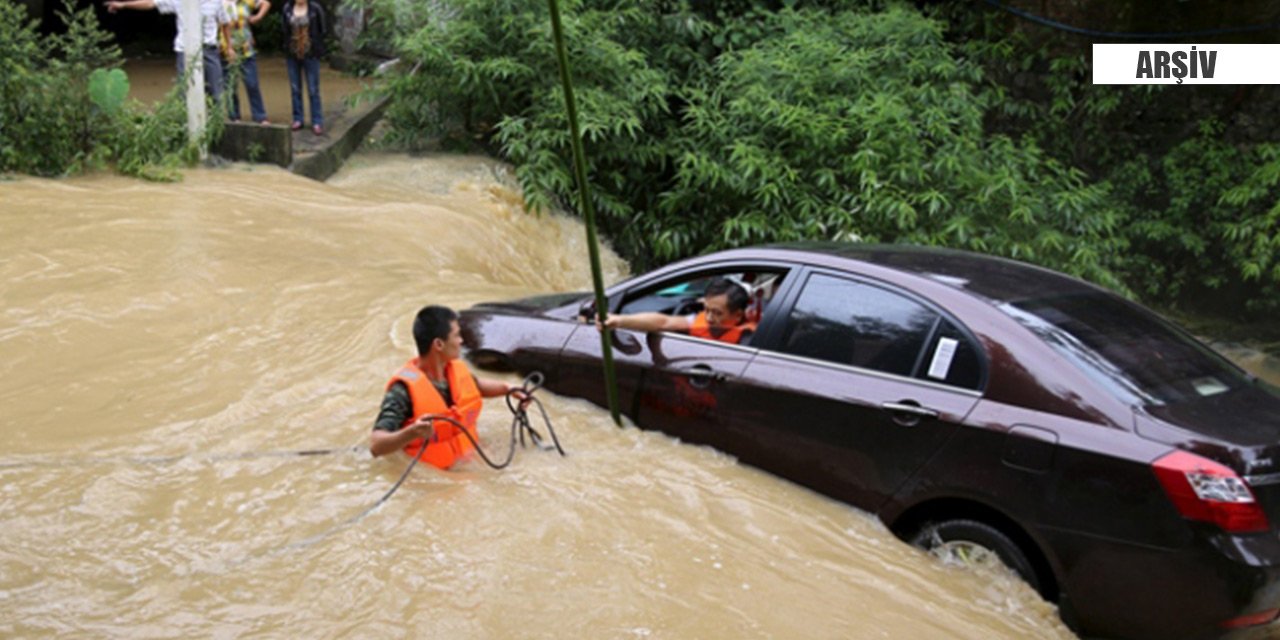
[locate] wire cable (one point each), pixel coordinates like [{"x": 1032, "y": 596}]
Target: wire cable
[{"x": 1174, "y": 35}]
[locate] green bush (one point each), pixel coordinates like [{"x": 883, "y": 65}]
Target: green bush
[
  {"x": 153, "y": 144},
  {"x": 62, "y": 106},
  {"x": 710, "y": 125},
  {"x": 42, "y": 119},
  {"x": 713, "y": 129},
  {"x": 1199, "y": 202},
  {"x": 867, "y": 126},
  {"x": 1215, "y": 232}
]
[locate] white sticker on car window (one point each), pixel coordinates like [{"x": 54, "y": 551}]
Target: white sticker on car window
[
  {"x": 1208, "y": 386},
  {"x": 942, "y": 356}
]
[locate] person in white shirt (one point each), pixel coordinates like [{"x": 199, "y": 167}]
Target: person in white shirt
[{"x": 212, "y": 16}]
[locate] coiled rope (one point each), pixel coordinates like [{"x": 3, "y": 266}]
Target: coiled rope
[{"x": 519, "y": 427}]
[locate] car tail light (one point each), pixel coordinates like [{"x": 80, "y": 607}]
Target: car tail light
[
  {"x": 1250, "y": 620},
  {"x": 1204, "y": 490}
]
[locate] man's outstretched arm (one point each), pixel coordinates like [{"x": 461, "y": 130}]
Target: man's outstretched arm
[
  {"x": 137, "y": 5},
  {"x": 648, "y": 321}
]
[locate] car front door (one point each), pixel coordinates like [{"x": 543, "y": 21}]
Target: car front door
[
  {"x": 685, "y": 385},
  {"x": 667, "y": 381},
  {"x": 855, "y": 389}
]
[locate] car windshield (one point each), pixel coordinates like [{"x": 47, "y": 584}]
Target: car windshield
[{"x": 1133, "y": 353}]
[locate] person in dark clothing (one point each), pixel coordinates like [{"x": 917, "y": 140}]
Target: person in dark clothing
[{"x": 305, "y": 29}]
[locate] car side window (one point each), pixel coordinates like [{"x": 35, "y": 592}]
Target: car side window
[
  {"x": 684, "y": 295},
  {"x": 849, "y": 322},
  {"x": 679, "y": 298}
]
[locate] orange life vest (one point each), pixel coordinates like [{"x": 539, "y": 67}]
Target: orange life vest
[
  {"x": 448, "y": 443},
  {"x": 701, "y": 328}
]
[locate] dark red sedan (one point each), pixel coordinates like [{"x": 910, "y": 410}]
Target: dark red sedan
[{"x": 973, "y": 403}]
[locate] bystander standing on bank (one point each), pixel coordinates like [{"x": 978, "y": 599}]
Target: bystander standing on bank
[
  {"x": 304, "y": 33},
  {"x": 240, "y": 56},
  {"x": 211, "y": 16}
]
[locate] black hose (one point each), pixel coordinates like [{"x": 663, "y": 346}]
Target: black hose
[
  {"x": 1172, "y": 35},
  {"x": 520, "y": 422}
]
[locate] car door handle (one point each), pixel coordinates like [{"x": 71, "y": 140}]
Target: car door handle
[
  {"x": 702, "y": 375},
  {"x": 911, "y": 408}
]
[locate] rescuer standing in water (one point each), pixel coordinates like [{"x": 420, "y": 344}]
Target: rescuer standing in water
[{"x": 437, "y": 383}]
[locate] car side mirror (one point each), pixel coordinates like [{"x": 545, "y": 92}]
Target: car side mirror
[
  {"x": 625, "y": 343},
  {"x": 587, "y": 312}
]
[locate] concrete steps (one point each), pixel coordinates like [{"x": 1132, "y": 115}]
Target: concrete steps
[{"x": 303, "y": 152}]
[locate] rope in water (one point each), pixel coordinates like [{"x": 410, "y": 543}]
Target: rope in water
[
  {"x": 517, "y": 400},
  {"x": 162, "y": 460},
  {"x": 519, "y": 426},
  {"x": 520, "y": 423}
]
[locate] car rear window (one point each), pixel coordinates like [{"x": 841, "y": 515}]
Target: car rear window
[{"x": 1137, "y": 355}]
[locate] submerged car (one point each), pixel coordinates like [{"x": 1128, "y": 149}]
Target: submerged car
[{"x": 1123, "y": 469}]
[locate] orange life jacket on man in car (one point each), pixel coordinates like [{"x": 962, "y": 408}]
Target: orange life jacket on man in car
[
  {"x": 448, "y": 443},
  {"x": 701, "y": 328}
]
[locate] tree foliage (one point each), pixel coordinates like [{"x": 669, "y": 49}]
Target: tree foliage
[
  {"x": 1198, "y": 199},
  {"x": 866, "y": 126},
  {"x": 712, "y": 125},
  {"x": 61, "y": 108}
]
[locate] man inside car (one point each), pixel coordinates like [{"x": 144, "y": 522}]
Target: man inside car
[{"x": 722, "y": 318}]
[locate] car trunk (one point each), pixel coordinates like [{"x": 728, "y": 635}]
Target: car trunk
[{"x": 1239, "y": 428}]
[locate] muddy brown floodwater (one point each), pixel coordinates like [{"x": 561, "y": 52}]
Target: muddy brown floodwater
[{"x": 151, "y": 335}]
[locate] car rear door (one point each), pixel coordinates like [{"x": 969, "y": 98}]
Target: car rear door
[{"x": 856, "y": 384}]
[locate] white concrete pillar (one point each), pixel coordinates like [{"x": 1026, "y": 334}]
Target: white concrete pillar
[{"x": 193, "y": 51}]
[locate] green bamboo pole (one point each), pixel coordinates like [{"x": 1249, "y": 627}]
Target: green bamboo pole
[{"x": 588, "y": 212}]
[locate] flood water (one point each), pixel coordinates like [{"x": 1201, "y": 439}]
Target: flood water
[{"x": 153, "y": 336}]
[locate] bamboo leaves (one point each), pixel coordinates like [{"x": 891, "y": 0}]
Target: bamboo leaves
[{"x": 711, "y": 125}]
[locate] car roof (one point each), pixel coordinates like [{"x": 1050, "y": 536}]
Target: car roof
[{"x": 994, "y": 278}]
